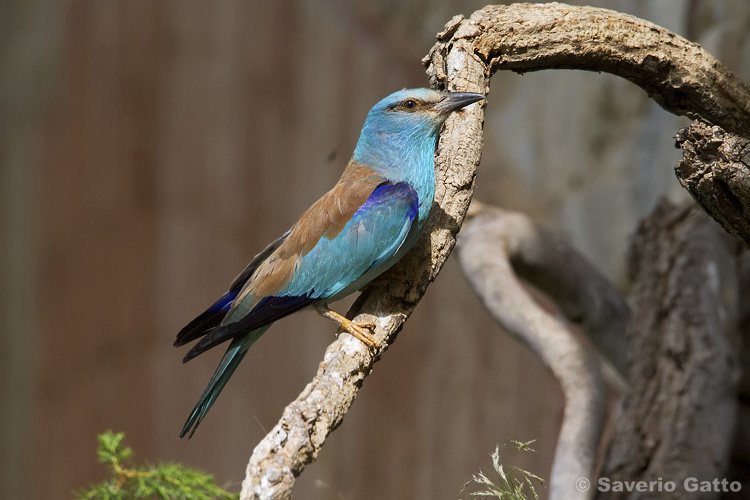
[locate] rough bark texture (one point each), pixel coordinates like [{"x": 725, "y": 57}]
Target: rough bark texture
[
  {"x": 679, "y": 416},
  {"x": 715, "y": 169},
  {"x": 678, "y": 74},
  {"x": 495, "y": 247},
  {"x": 297, "y": 438}
]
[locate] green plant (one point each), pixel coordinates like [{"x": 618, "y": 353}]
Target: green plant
[
  {"x": 164, "y": 481},
  {"x": 511, "y": 482}
]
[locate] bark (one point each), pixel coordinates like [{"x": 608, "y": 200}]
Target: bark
[
  {"x": 679, "y": 416},
  {"x": 676, "y": 73},
  {"x": 715, "y": 169},
  {"x": 494, "y": 249}
]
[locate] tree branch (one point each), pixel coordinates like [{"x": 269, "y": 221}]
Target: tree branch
[
  {"x": 678, "y": 417},
  {"x": 494, "y": 247},
  {"x": 676, "y": 73},
  {"x": 550, "y": 263}
]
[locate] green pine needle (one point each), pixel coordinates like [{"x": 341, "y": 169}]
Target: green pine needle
[
  {"x": 511, "y": 482},
  {"x": 163, "y": 481}
]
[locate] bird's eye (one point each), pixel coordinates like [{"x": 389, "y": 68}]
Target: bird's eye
[{"x": 410, "y": 105}]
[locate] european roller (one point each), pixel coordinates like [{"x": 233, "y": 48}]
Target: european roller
[{"x": 353, "y": 233}]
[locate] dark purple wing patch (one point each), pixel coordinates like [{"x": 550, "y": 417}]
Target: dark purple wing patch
[{"x": 389, "y": 192}]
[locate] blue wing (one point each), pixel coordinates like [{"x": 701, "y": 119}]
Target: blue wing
[
  {"x": 367, "y": 245},
  {"x": 368, "y": 242}
]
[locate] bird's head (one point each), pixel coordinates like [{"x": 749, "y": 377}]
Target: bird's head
[
  {"x": 407, "y": 120},
  {"x": 417, "y": 109}
]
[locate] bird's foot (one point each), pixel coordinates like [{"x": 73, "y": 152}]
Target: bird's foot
[{"x": 361, "y": 330}]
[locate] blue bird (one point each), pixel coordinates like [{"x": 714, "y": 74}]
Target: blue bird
[{"x": 357, "y": 230}]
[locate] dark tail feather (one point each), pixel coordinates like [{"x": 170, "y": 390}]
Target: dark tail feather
[
  {"x": 224, "y": 371},
  {"x": 264, "y": 313},
  {"x": 209, "y": 319}
]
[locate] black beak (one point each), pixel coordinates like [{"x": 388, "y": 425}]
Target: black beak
[{"x": 456, "y": 100}]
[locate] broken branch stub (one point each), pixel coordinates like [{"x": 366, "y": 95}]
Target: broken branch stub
[{"x": 715, "y": 169}]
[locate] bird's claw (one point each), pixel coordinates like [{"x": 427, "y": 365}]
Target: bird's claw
[{"x": 361, "y": 330}]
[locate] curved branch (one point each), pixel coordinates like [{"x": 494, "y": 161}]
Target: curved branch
[
  {"x": 547, "y": 261},
  {"x": 495, "y": 246},
  {"x": 305, "y": 424},
  {"x": 676, "y": 73}
]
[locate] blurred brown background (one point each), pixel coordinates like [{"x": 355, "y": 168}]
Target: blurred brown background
[{"x": 149, "y": 149}]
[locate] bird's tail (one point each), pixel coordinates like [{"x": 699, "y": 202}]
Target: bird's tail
[{"x": 229, "y": 363}]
